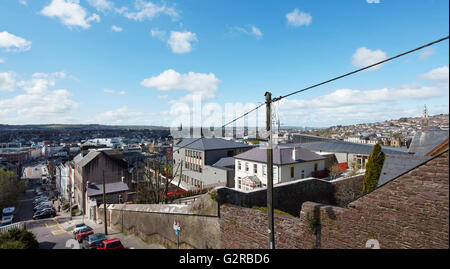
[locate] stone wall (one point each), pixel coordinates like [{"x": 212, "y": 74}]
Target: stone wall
[
  {"x": 409, "y": 212},
  {"x": 154, "y": 223},
  {"x": 287, "y": 197}
]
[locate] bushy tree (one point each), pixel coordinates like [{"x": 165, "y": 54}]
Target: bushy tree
[
  {"x": 16, "y": 238},
  {"x": 10, "y": 188},
  {"x": 373, "y": 169}
]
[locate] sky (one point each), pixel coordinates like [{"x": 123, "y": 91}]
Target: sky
[{"x": 145, "y": 62}]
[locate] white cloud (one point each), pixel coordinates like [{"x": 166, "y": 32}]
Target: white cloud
[
  {"x": 164, "y": 96},
  {"x": 38, "y": 103},
  {"x": 7, "y": 81},
  {"x": 438, "y": 75},
  {"x": 180, "y": 42},
  {"x": 298, "y": 18},
  {"x": 2, "y": 60},
  {"x": 70, "y": 13},
  {"x": 364, "y": 57},
  {"x": 350, "y": 97},
  {"x": 248, "y": 30},
  {"x": 23, "y": 2},
  {"x": 118, "y": 116},
  {"x": 114, "y": 91},
  {"x": 200, "y": 84},
  {"x": 101, "y": 5},
  {"x": 160, "y": 34},
  {"x": 373, "y": 1},
  {"x": 116, "y": 28},
  {"x": 10, "y": 42},
  {"x": 148, "y": 10}
]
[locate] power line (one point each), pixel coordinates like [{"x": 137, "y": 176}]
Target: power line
[{"x": 359, "y": 70}]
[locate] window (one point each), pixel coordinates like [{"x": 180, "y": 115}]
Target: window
[
  {"x": 275, "y": 173},
  {"x": 239, "y": 182},
  {"x": 200, "y": 155},
  {"x": 239, "y": 165},
  {"x": 316, "y": 166},
  {"x": 264, "y": 170},
  {"x": 292, "y": 172},
  {"x": 200, "y": 169},
  {"x": 246, "y": 167},
  {"x": 303, "y": 173},
  {"x": 255, "y": 168}
]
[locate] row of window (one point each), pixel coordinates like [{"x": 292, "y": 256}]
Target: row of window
[
  {"x": 193, "y": 167},
  {"x": 246, "y": 187},
  {"x": 193, "y": 154},
  {"x": 255, "y": 169},
  {"x": 192, "y": 181}
]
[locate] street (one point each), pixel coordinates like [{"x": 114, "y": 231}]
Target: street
[{"x": 56, "y": 233}]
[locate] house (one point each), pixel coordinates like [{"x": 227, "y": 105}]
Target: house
[
  {"x": 347, "y": 152},
  {"x": 115, "y": 193},
  {"x": 92, "y": 166},
  {"x": 63, "y": 179},
  {"x": 198, "y": 157},
  {"x": 289, "y": 163}
]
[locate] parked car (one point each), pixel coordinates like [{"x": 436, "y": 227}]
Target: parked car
[
  {"x": 46, "y": 213},
  {"x": 40, "y": 200},
  {"x": 111, "y": 244},
  {"x": 78, "y": 227},
  {"x": 43, "y": 206},
  {"x": 83, "y": 233},
  {"x": 8, "y": 214},
  {"x": 93, "y": 241}
]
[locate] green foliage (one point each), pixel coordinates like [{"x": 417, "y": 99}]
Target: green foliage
[
  {"x": 313, "y": 223},
  {"x": 275, "y": 210},
  {"x": 65, "y": 206},
  {"x": 18, "y": 239},
  {"x": 10, "y": 188},
  {"x": 213, "y": 196},
  {"x": 373, "y": 169}
]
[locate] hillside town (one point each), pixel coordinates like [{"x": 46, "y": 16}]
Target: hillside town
[{"x": 243, "y": 127}]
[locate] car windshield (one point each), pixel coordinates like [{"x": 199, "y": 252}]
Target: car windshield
[
  {"x": 97, "y": 237},
  {"x": 7, "y": 214},
  {"x": 79, "y": 225}
]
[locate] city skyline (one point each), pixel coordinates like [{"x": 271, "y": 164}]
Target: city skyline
[{"x": 133, "y": 63}]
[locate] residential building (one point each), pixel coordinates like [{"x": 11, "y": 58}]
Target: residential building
[
  {"x": 289, "y": 163},
  {"x": 198, "y": 157},
  {"x": 115, "y": 193},
  {"x": 93, "y": 166}
]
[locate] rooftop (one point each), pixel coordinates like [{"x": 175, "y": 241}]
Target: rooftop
[
  {"x": 97, "y": 189},
  {"x": 344, "y": 146},
  {"x": 209, "y": 144},
  {"x": 282, "y": 154}
]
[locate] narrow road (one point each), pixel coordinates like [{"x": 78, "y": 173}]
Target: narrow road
[{"x": 24, "y": 210}]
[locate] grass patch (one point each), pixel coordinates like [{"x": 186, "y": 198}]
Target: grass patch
[{"x": 275, "y": 210}]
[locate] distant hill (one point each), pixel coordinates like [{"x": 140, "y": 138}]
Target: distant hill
[{"x": 81, "y": 126}]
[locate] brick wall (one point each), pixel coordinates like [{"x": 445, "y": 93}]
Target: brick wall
[{"x": 409, "y": 212}]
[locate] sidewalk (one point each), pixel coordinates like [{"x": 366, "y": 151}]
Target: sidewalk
[{"x": 128, "y": 241}]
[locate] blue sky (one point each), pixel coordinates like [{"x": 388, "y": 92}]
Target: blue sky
[{"x": 140, "y": 62}]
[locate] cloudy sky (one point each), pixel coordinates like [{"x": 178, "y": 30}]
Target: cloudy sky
[{"x": 143, "y": 61}]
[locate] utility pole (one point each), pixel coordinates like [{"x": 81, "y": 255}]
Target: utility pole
[
  {"x": 270, "y": 171},
  {"x": 104, "y": 202}
]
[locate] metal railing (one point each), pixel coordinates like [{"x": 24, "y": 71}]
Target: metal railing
[{"x": 20, "y": 225}]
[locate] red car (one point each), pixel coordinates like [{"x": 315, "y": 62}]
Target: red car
[
  {"x": 83, "y": 233},
  {"x": 111, "y": 244}
]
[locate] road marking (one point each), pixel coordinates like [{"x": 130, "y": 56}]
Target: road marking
[{"x": 61, "y": 229}]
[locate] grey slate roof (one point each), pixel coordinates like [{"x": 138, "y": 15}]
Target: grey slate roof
[
  {"x": 344, "y": 146},
  {"x": 397, "y": 165},
  {"x": 226, "y": 161},
  {"x": 209, "y": 144},
  {"x": 425, "y": 141},
  {"x": 282, "y": 155},
  {"x": 97, "y": 189},
  {"x": 89, "y": 157}
]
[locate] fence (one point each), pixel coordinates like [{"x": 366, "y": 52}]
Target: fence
[{"x": 20, "y": 225}]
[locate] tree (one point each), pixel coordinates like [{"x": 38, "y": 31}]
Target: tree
[
  {"x": 16, "y": 238},
  {"x": 10, "y": 188},
  {"x": 373, "y": 169},
  {"x": 334, "y": 171}
]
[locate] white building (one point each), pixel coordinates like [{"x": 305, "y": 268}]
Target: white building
[{"x": 289, "y": 163}]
